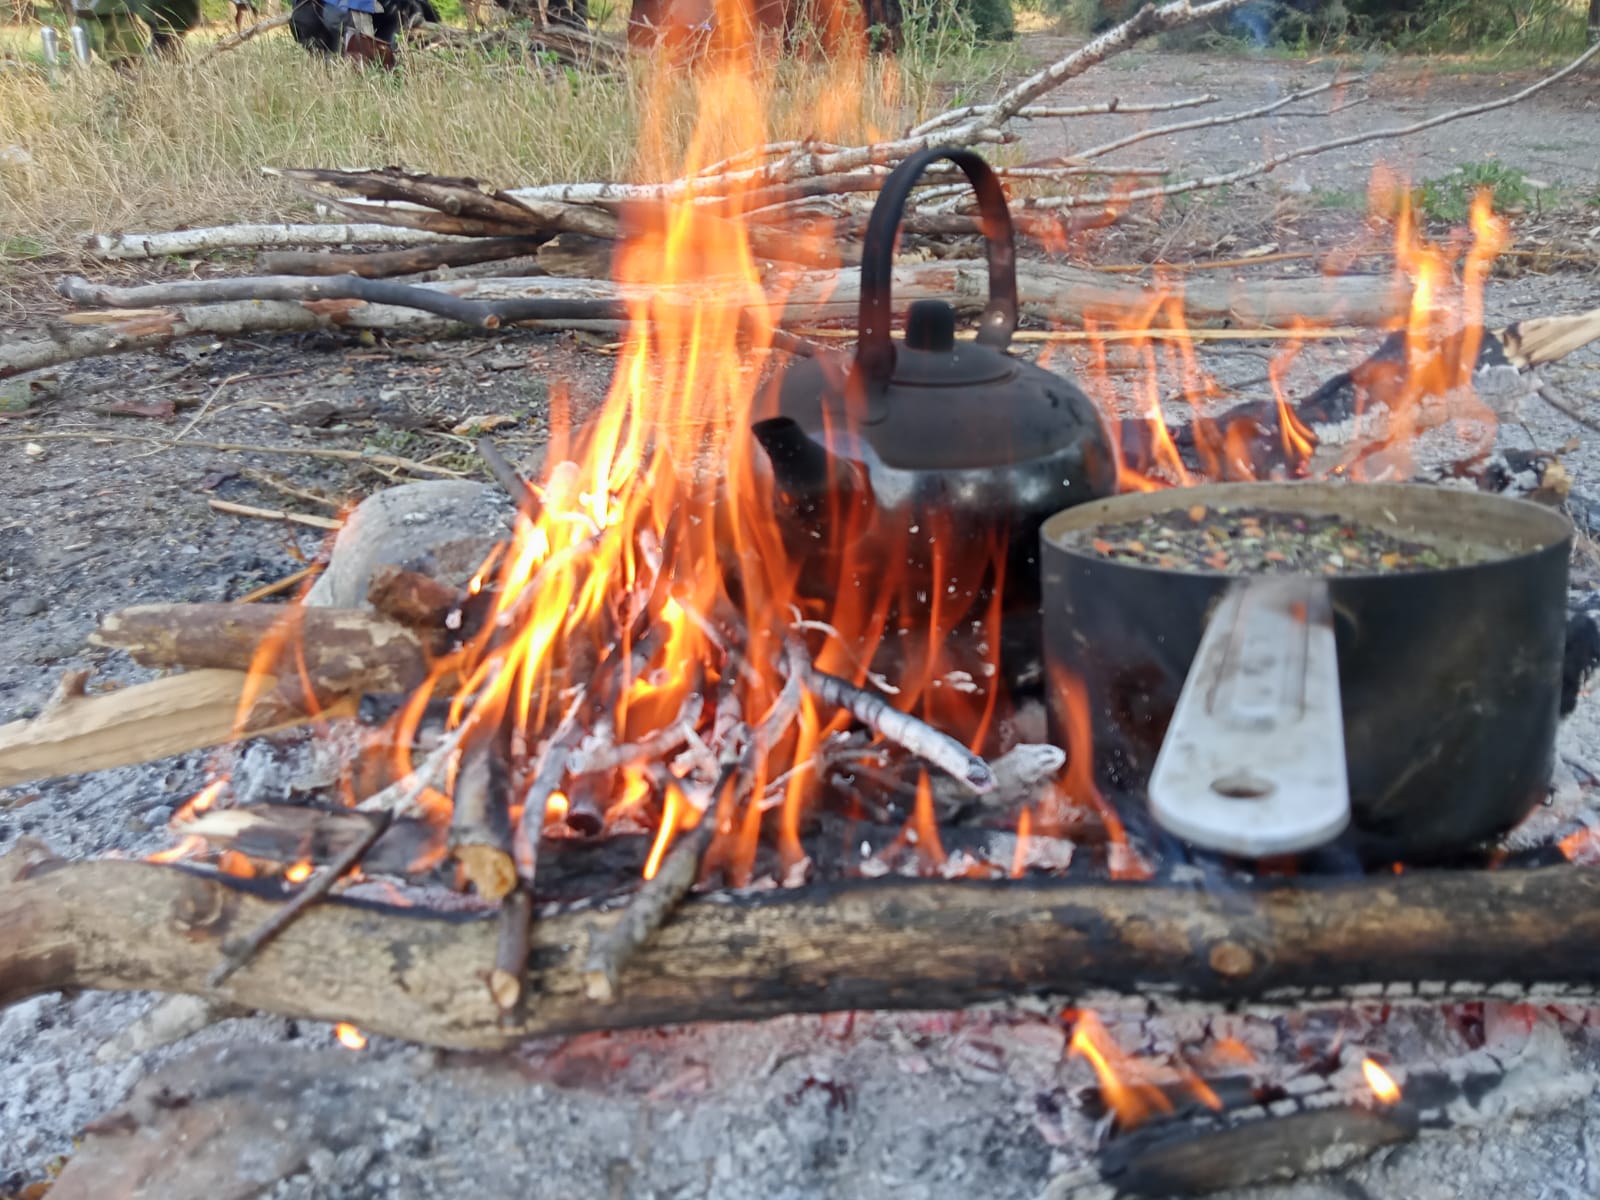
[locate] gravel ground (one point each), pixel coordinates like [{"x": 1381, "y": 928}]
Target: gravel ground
[{"x": 916, "y": 1106}]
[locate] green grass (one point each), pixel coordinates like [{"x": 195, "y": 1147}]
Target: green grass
[
  {"x": 1449, "y": 197},
  {"x": 176, "y": 144}
]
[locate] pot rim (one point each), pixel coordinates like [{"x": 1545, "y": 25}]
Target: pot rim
[{"x": 1510, "y": 527}]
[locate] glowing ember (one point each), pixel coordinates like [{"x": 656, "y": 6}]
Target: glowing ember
[
  {"x": 349, "y": 1036},
  {"x": 1381, "y": 1082},
  {"x": 298, "y": 872}
]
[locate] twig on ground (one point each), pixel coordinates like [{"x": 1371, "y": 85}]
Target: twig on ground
[
  {"x": 278, "y": 484},
  {"x": 1232, "y": 118},
  {"x": 318, "y": 886},
  {"x": 274, "y": 514},
  {"x": 1273, "y": 162},
  {"x": 281, "y": 585}
]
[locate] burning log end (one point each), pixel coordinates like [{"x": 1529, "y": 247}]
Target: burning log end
[
  {"x": 411, "y": 598},
  {"x": 1162, "y": 1161},
  {"x": 480, "y": 823}
]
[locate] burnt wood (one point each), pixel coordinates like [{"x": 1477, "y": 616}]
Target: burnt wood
[{"x": 883, "y": 944}]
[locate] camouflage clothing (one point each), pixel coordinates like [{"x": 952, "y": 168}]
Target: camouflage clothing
[{"x": 115, "y": 30}]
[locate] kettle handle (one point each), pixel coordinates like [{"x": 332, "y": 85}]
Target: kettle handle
[{"x": 875, "y": 351}]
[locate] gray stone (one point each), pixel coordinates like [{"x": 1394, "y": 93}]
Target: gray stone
[{"x": 444, "y": 528}]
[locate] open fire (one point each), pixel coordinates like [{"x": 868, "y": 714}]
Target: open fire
[{"x": 650, "y": 654}]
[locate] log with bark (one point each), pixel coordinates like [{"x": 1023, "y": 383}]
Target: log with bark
[
  {"x": 883, "y": 944},
  {"x": 340, "y": 650},
  {"x": 142, "y": 318}
]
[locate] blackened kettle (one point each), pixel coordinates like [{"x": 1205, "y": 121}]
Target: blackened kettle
[{"x": 917, "y": 451}]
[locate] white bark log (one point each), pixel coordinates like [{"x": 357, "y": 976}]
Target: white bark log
[{"x": 251, "y": 237}]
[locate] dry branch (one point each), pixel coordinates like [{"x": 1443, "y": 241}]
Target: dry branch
[
  {"x": 319, "y": 885},
  {"x": 1273, "y": 162},
  {"x": 240, "y": 37},
  {"x": 142, "y": 723},
  {"x": 612, "y": 946},
  {"x": 1048, "y": 291},
  {"x": 480, "y": 819},
  {"x": 887, "y": 943},
  {"x": 385, "y": 263}
]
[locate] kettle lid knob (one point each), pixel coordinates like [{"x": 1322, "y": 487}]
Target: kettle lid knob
[{"x": 931, "y": 325}]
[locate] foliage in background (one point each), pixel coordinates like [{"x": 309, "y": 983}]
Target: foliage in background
[
  {"x": 178, "y": 144},
  {"x": 1449, "y": 197},
  {"x": 1537, "y": 26}
]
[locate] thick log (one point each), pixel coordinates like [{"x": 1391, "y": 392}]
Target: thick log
[
  {"x": 343, "y": 650},
  {"x": 881, "y": 944},
  {"x": 142, "y": 723}
]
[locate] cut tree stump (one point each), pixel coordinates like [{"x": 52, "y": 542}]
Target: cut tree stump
[{"x": 871, "y": 944}]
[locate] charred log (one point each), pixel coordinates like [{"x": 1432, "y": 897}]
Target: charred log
[{"x": 867, "y": 944}]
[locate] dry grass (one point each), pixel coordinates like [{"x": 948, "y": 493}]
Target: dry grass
[{"x": 183, "y": 144}]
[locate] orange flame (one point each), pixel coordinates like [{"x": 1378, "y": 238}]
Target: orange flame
[
  {"x": 1381, "y": 1082},
  {"x": 1131, "y": 1088},
  {"x": 298, "y": 872},
  {"x": 1019, "y": 857},
  {"x": 349, "y": 1036}
]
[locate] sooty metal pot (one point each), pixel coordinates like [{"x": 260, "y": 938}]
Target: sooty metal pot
[{"x": 1449, "y": 678}]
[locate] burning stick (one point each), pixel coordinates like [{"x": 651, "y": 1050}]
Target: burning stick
[
  {"x": 318, "y": 886},
  {"x": 546, "y": 779},
  {"x": 660, "y": 895},
  {"x": 511, "y": 949},
  {"x": 480, "y": 819},
  {"x": 589, "y": 760},
  {"x": 400, "y": 797},
  {"x": 922, "y": 739}
]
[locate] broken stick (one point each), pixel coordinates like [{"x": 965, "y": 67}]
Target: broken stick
[
  {"x": 657, "y": 898},
  {"x": 511, "y": 950},
  {"x": 318, "y": 886}
]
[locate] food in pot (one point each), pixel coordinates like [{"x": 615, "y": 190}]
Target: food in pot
[{"x": 1257, "y": 541}]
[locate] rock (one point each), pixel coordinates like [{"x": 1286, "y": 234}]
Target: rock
[
  {"x": 444, "y": 528},
  {"x": 223, "y": 1123}
]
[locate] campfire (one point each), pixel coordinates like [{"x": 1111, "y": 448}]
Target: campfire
[{"x": 804, "y": 681}]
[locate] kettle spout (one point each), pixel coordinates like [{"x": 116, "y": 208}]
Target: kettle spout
[{"x": 802, "y": 467}]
